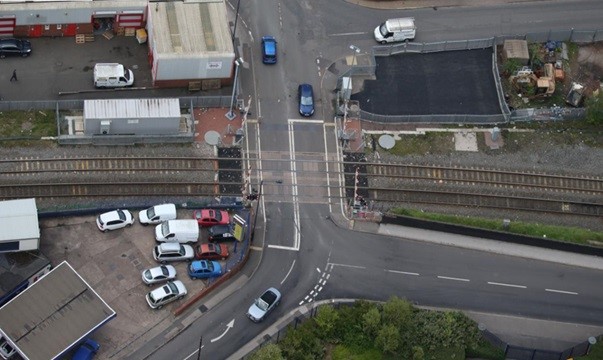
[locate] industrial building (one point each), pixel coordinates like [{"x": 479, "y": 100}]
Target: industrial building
[{"x": 19, "y": 224}]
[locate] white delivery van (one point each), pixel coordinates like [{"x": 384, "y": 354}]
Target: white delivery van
[
  {"x": 395, "y": 30},
  {"x": 182, "y": 231},
  {"x": 157, "y": 214},
  {"x": 112, "y": 75}
]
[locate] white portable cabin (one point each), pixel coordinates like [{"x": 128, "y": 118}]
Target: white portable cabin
[{"x": 19, "y": 228}]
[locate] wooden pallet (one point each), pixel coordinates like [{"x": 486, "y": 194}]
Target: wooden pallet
[
  {"x": 89, "y": 37},
  {"x": 108, "y": 35},
  {"x": 130, "y": 32},
  {"x": 80, "y": 38}
]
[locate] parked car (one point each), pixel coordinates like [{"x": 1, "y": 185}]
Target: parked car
[
  {"x": 172, "y": 290},
  {"x": 220, "y": 233},
  {"x": 158, "y": 274},
  {"x": 115, "y": 219},
  {"x": 87, "y": 350},
  {"x": 203, "y": 269},
  {"x": 211, "y": 217},
  {"x": 263, "y": 305},
  {"x": 268, "y": 50},
  {"x": 306, "y": 99},
  {"x": 156, "y": 214},
  {"x": 14, "y": 47},
  {"x": 182, "y": 231},
  {"x": 211, "y": 252},
  {"x": 165, "y": 252}
]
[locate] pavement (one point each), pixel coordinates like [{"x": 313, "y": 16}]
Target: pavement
[{"x": 435, "y": 4}]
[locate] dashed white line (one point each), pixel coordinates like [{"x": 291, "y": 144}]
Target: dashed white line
[
  {"x": 402, "y": 272},
  {"x": 508, "y": 285},
  {"x": 562, "y": 291},
  {"x": 453, "y": 278},
  {"x": 350, "y": 266},
  {"x": 317, "y": 269},
  {"x": 328, "y": 276},
  {"x": 311, "y": 292},
  {"x": 319, "y": 289}
]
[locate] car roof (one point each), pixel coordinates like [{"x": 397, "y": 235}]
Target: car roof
[
  {"x": 305, "y": 88},
  {"x": 170, "y": 246}
]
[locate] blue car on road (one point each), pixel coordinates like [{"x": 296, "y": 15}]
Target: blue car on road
[
  {"x": 203, "y": 269},
  {"x": 268, "y": 50},
  {"x": 306, "y": 100}
]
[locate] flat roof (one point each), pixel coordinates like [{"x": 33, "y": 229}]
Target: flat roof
[
  {"x": 194, "y": 28},
  {"x": 55, "y": 313},
  {"x": 131, "y": 108},
  {"x": 17, "y": 267},
  {"x": 19, "y": 220}
]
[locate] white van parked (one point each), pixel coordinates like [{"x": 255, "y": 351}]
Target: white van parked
[
  {"x": 157, "y": 214},
  {"x": 395, "y": 30},
  {"x": 112, "y": 75},
  {"x": 182, "y": 231}
]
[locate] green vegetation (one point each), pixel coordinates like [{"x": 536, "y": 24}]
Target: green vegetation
[
  {"x": 19, "y": 128},
  {"x": 596, "y": 351},
  {"x": 393, "y": 330},
  {"x": 568, "y": 234},
  {"x": 594, "y": 109},
  {"x": 429, "y": 143}
]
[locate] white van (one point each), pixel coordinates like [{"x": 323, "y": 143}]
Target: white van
[
  {"x": 157, "y": 214},
  {"x": 112, "y": 75},
  {"x": 395, "y": 30},
  {"x": 182, "y": 231}
]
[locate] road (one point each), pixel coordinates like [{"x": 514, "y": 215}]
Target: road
[{"x": 301, "y": 243}]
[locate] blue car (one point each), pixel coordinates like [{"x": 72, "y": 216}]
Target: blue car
[
  {"x": 268, "y": 50},
  {"x": 306, "y": 99},
  {"x": 203, "y": 269},
  {"x": 87, "y": 350}
]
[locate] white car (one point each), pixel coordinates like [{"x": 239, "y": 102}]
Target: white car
[
  {"x": 115, "y": 219},
  {"x": 263, "y": 305},
  {"x": 172, "y": 290},
  {"x": 158, "y": 274},
  {"x": 156, "y": 214}
]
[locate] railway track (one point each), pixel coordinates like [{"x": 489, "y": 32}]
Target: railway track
[{"x": 388, "y": 183}]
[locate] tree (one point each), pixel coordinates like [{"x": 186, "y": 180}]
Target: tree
[
  {"x": 397, "y": 312},
  {"x": 326, "y": 320},
  {"x": 371, "y": 321},
  {"x": 418, "y": 353},
  {"x": 388, "y": 338},
  {"x": 268, "y": 352}
]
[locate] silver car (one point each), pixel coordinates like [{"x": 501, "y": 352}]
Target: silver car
[
  {"x": 158, "y": 274},
  {"x": 263, "y": 305},
  {"x": 165, "y": 252},
  {"x": 172, "y": 290}
]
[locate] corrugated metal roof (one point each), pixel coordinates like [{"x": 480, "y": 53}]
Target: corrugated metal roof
[
  {"x": 190, "y": 28},
  {"x": 53, "y": 314},
  {"x": 131, "y": 108},
  {"x": 19, "y": 220}
]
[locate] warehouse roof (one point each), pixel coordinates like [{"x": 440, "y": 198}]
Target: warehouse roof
[
  {"x": 52, "y": 315},
  {"x": 17, "y": 267},
  {"x": 19, "y": 220},
  {"x": 131, "y": 108},
  {"x": 189, "y": 28}
]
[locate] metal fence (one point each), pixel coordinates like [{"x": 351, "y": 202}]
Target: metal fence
[{"x": 555, "y": 113}]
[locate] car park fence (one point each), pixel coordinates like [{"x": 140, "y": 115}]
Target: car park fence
[{"x": 555, "y": 113}]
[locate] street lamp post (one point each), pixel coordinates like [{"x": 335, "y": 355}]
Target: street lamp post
[
  {"x": 356, "y": 50},
  {"x": 234, "y": 31},
  {"x": 230, "y": 114}
]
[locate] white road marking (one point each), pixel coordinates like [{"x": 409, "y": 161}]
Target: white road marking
[
  {"x": 350, "y": 33},
  {"x": 317, "y": 269},
  {"x": 350, "y": 266},
  {"x": 508, "y": 285},
  {"x": 309, "y": 121},
  {"x": 311, "y": 292},
  {"x": 194, "y": 352},
  {"x": 561, "y": 291},
  {"x": 452, "y": 278},
  {"x": 319, "y": 289},
  {"x": 289, "y": 272},
  {"x": 403, "y": 272},
  {"x": 283, "y": 247},
  {"x": 228, "y": 327}
]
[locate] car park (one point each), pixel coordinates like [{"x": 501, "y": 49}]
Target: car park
[
  {"x": 263, "y": 305},
  {"x": 158, "y": 274},
  {"x": 113, "y": 220},
  {"x": 156, "y": 214},
  {"x": 268, "y": 50},
  {"x": 211, "y": 252},
  {"x": 87, "y": 350},
  {"x": 171, "y": 291},
  {"x": 165, "y": 252},
  {"x": 220, "y": 233},
  {"x": 306, "y": 99},
  {"x": 14, "y": 47},
  {"x": 211, "y": 217},
  {"x": 203, "y": 269}
]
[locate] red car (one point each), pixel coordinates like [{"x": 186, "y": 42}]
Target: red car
[
  {"x": 211, "y": 217},
  {"x": 211, "y": 252}
]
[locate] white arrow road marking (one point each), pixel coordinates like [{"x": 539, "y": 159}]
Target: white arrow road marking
[{"x": 228, "y": 327}]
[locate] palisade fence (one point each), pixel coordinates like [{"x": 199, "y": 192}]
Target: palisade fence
[
  {"x": 278, "y": 331},
  {"x": 556, "y": 113}
]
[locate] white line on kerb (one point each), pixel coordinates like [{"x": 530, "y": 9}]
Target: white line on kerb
[
  {"x": 402, "y": 272},
  {"x": 561, "y": 291},
  {"x": 452, "y": 278},
  {"x": 509, "y": 285}
]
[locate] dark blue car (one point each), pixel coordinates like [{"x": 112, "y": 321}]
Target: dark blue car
[
  {"x": 87, "y": 350},
  {"x": 306, "y": 99},
  {"x": 268, "y": 50}
]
